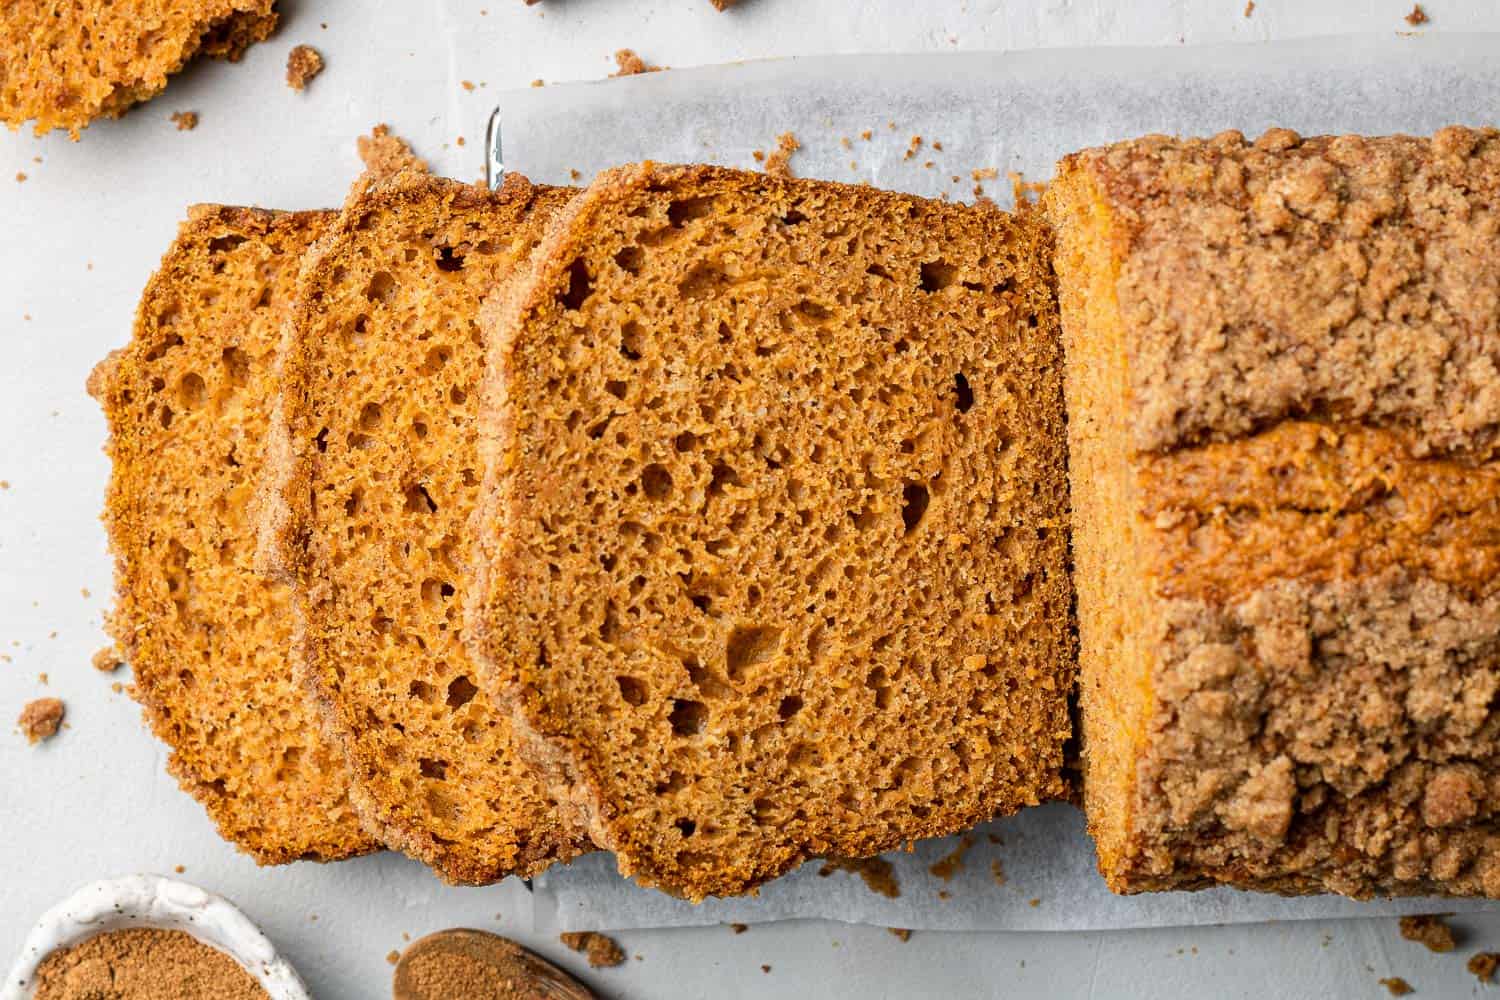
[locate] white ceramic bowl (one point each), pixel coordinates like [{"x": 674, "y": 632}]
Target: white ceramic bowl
[{"x": 153, "y": 901}]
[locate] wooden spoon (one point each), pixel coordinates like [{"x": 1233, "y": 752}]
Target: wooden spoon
[{"x": 463, "y": 964}]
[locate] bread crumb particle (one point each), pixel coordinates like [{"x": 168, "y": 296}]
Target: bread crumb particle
[
  {"x": 600, "y": 949},
  {"x": 573, "y": 174},
  {"x": 20, "y": 177},
  {"x": 1417, "y": 17},
  {"x": 778, "y": 164},
  {"x": 765, "y": 968},
  {"x": 866, "y": 135},
  {"x": 997, "y": 871},
  {"x": 393, "y": 957},
  {"x": 1429, "y": 930},
  {"x": 631, "y": 64},
  {"x": 1249, "y": 7},
  {"x": 117, "y": 687},
  {"x": 303, "y": 64},
  {"x": 384, "y": 154},
  {"x": 877, "y": 873},
  {"x": 1396, "y": 986},
  {"x": 723, "y": 4},
  {"x": 467, "y": 84},
  {"x": 40, "y": 718},
  {"x": 953, "y": 862},
  {"x": 180, "y": 869},
  {"x": 1484, "y": 964},
  {"x": 1034, "y": 902},
  {"x": 900, "y": 932},
  {"x": 912, "y": 147},
  {"x": 106, "y": 660},
  {"x": 185, "y": 121},
  {"x": 539, "y": 82},
  {"x": 739, "y": 928}
]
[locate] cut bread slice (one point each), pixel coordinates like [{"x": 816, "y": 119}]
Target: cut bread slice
[
  {"x": 1285, "y": 436},
  {"x": 63, "y": 64},
  {"x": 378, "y": 473},
  {"x": 188, "y": 404},
  {"x": 774, "y": 534}
]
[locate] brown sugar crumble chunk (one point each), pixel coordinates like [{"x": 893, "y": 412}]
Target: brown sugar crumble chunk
[
  {"x": 630, "y": 64},
  {"x": 1483, "y": 965},
  {"x": 1283, "y": 367},
  {"x": 1429, "y": 930},
  {"x": 778, "y": 163},
  {"x": 303, "y": 64},
  {"x": 40, "y": 718},
  {"x": 600, "y": 949},
  {"x": 878, "y": 875},
  {"x": 141, "y": 964},
  {"x": 385, "y": 154},
  {"x": 1396, "y": 986}
]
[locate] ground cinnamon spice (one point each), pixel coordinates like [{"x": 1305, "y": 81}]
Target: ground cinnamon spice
[{"x": 144, "y": 964}]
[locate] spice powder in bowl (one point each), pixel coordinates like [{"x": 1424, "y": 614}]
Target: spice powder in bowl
[{"x": 143, "y": 964}]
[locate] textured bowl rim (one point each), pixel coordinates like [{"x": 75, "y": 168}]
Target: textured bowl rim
[{"x": 156, "y": 902}]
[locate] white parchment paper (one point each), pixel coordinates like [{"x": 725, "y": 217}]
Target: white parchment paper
[{"x": 991, "y": 113}]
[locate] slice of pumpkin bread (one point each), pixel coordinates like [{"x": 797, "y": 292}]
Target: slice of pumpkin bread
[
  {"x": 207, "y": 637},
  {"x": 64, "y": 63},
  {"x": 378, "y": 471},
  {"x": 775, "y": 520},
  {"x": 1284, "y": 411}
]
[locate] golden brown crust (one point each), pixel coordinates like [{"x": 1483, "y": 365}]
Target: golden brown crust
[
  {"x": 1291, "y": 629},
  {"x": 64, "y": 64},
  {"x": 707, "y": 373},
  {"x": 376, "y": 471},
  {"x": 187, "y": 402}
]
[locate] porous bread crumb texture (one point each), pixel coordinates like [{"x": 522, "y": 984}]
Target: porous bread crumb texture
[
  {"x": 188, "y": 404},
  {"x": 378, "y": 471},
  {"x": 64, "y": 63},
  {"x": 775, "y": 539},
  {"x": 143, "y": 963},
  {"x": 303, "y": 63},
  {"x": 1283, "y": 409},
  {"x": 40, "y": 718}
]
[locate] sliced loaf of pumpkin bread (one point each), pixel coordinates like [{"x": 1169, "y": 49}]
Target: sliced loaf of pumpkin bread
[
  {"x": 208, "y": 638},
  {"x": 378, "y": 471},
  {"x": 774, "y": 528}
]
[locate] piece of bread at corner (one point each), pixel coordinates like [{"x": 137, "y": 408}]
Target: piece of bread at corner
[
  {"x": 207, "y": 637},
  {"x": 1284, "y": 413},
  {"x": 64, "y": 64},
  {"x": 378, "y": 473},
  {"x": 774, "y": 531}
]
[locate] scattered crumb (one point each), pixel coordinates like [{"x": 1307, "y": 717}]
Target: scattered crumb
[
  {"x": 20, "y": 177},
  {"x": 303, "y": 64},
  {"x": 117, "y": 687},
  {"x": 866, "y": 135},
  {"x": 5, "y": 483},
  {"x": 877, "y": 873},
  {"x": 539, "y": 82},
  {"x": 765, "y": 968},
  {"x": 1484, "y": 964},
  {"x": 385, "y": 154},
  {"x": 1034, "y": 902},
  {"x": 631, "y": 64},
  {"x": 984, "y": 174},
  {"x": 1417, "y": 17},
  {"x": 106, "y": 660},
  {"x": 39, "y": 719},
  {"x": 180, "y": 869},
  {"x": 1396, "y": 986},
  {"x": 953, "y": 862},
  {"x": 84, "y": 591},
  {"x": 1026, "y": 193},
  {"x": 459, "y": 140},
  {"x": 997, "y": 871},
  {"x": 467, "y": 84},
  {"x": 723, "y": 4},
  {"x": 42, "y": 678},
  {"x": 900, "y": 932},
  {"x": 739, "y": 928},
  {"x": 912, "y": 147},
  {"x": 185, "y": 121},
  {"x": 937, "y": 146},
  {"x": 1249, "y": 7},
  {"x": 1430, "y": 930},
  {"x": 573, "y": 174},
  {"x": 778, "y": 164},
  {"x": 844, "y": 141},
  {"x": 944, "y": 895},
  {"x": 599, "y": 949},
  {"x": 760, "y": 156},
  {"x": 405, "y": 936},
  {"x": 393, "y": 957}
]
